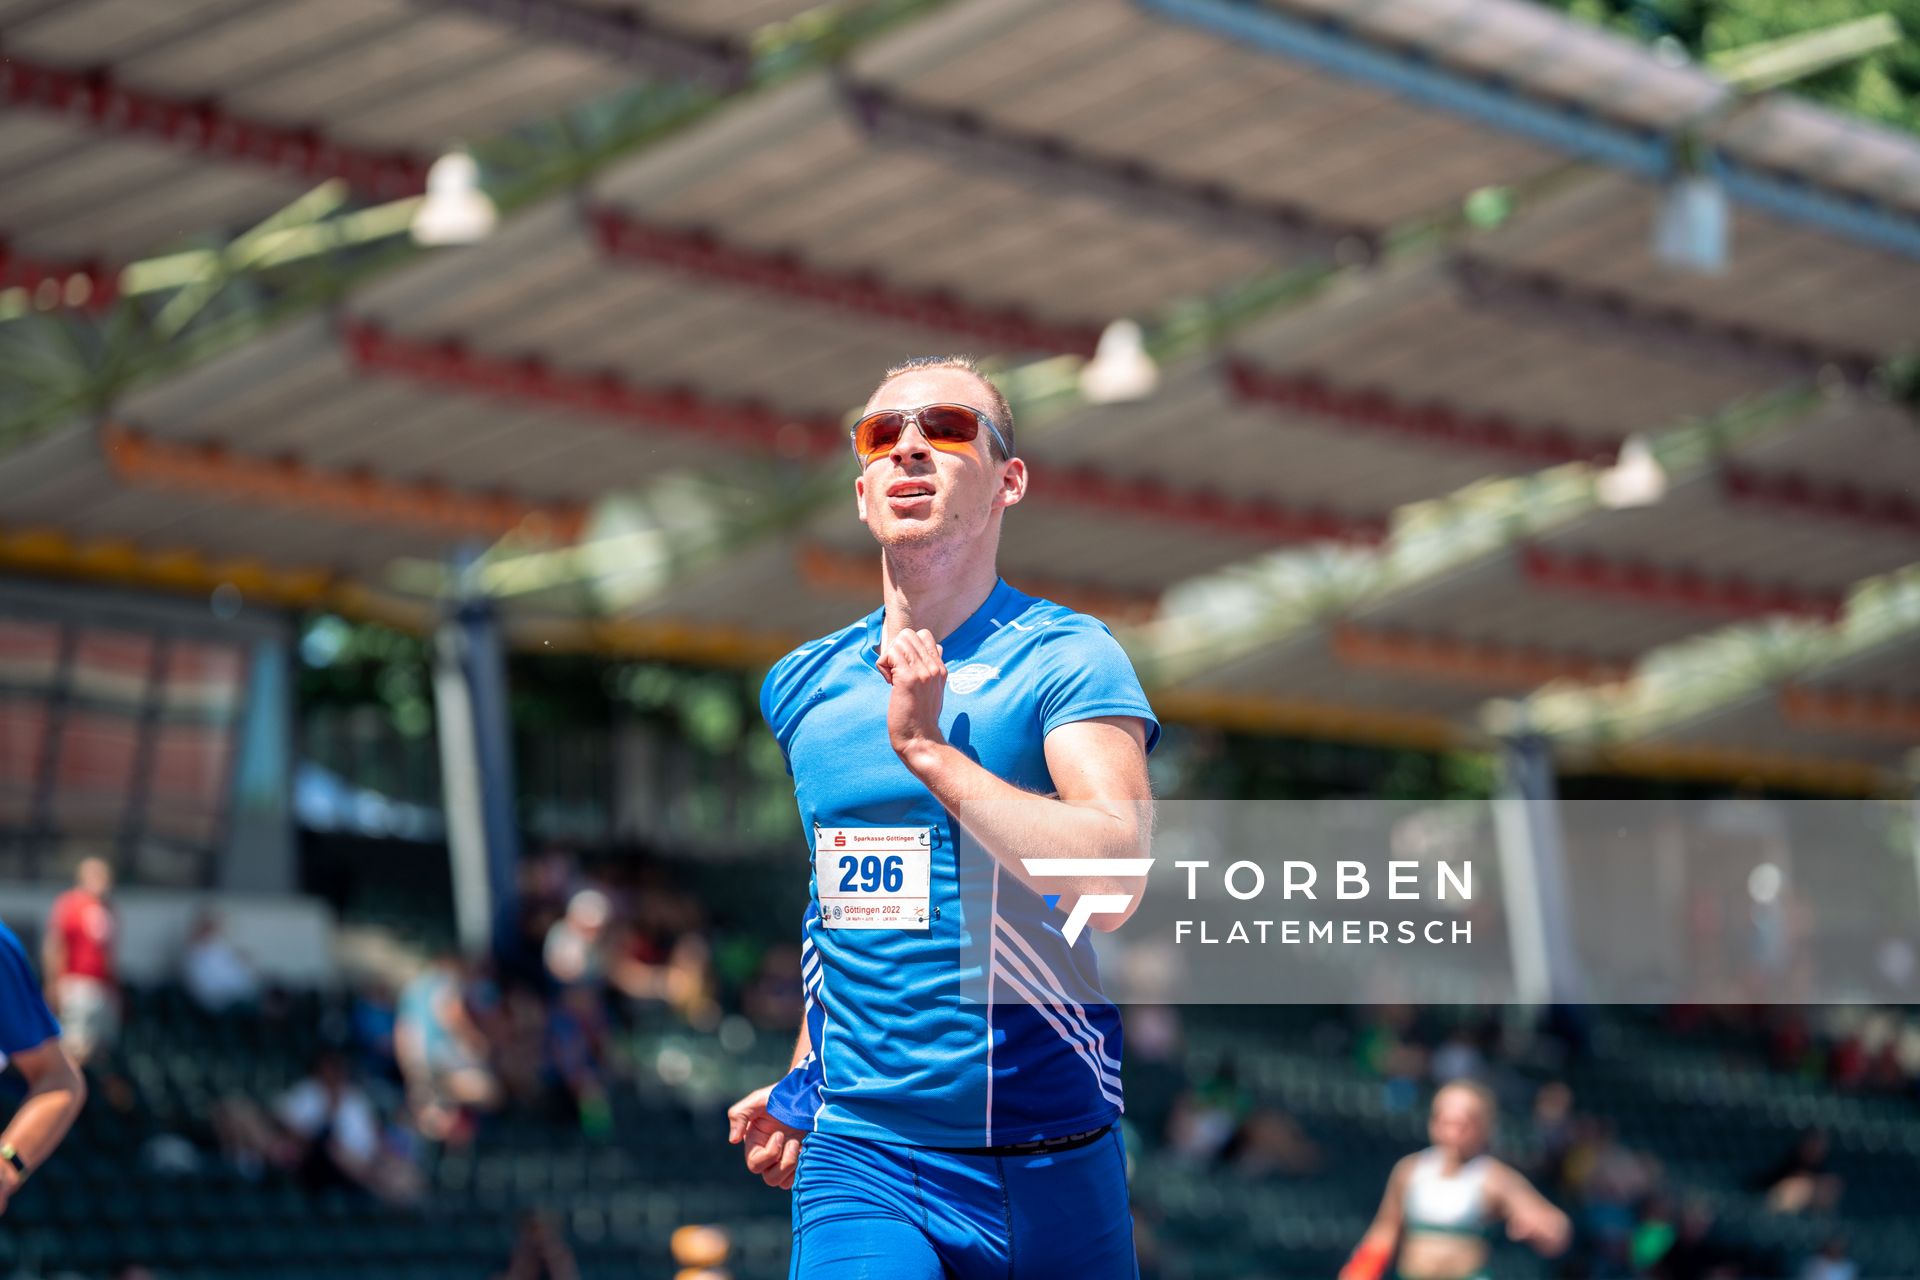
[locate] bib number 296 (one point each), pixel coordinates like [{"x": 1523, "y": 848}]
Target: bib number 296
[
  {"x": 873, "y": 874},
  {"x": 873, "y": 877}
]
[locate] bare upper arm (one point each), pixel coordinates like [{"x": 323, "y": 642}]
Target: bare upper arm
[
  {"x": 46, "y": 1064},
  {"x": 1392, "y": 1211},
  {"x": 1508, "y": 1186},
  {"x": 1102, "y": 763}
]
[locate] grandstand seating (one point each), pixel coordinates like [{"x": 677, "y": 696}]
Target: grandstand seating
[{"x": 1712, "y": 1112}]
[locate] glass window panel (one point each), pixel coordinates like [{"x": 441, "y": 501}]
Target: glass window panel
[
  {"x": 23, "y": 722},
  {"x": 189, "y": 767},
  {"x": 95, "y": 773},
  {"x": 23, "y": 726},
  {"x": 112, "y": 666},
  {"x": 204, "y": 679},
  {"x": 29, "y": 653}
]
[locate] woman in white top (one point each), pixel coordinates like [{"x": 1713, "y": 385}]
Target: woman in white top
[{"x": 1443, "y": 1204}]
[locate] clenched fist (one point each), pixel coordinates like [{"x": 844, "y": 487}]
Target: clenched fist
[{"x": 912, "y": 664}]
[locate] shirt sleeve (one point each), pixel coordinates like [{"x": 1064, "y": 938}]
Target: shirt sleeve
[
  {"x": 355, "y": 1128},
  {"x": 25, "y": 1020},
  {"x": 773, "y": 700},
  {"x": 796, "y": 1097},
  {"x": 1085, "y": 674}
]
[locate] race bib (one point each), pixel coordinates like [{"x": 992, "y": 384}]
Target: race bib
[{"x": 873, "y": 877}]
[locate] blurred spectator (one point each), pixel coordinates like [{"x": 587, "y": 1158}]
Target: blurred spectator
[
  {"x": 371, "y": 1018},
  {"x": 325, "y": 1131},
  {"x": 576, "y": 1054},
  {"x": 1831, "y": 1263},
  {"x": 666, "y": 955},
  {"x": 1801, "y": 1180},
  {"x": 1272, "y": 1141},
  {"x": 773, "y": 1000},
  {"x": 1155, "y": 1033},
  {"x": 1385, "y": 1048},
  {"x": 1553, "y": 1127},
  {"x": 78, "y": 963},
  {"x": 576, "y": 945},
  {"x": 1458, "y": 1058},
  {"x": 1220, "y": 1122},
  {"x": 1653, "y": 1235},
  {"x": 443, "y": 1056},
  {"x": 1693, "y": 1255},
  {"x": 540, "y": 1253},
  {"x": 1609, "y": 1179},
  {"x": 701, "y": 1252},
  {"x": 515, "y": 1026},
  {"x": 543, "y": 885},
  {"x": 1206, "y": 1118},
  {"x": 213, "y": 970}
]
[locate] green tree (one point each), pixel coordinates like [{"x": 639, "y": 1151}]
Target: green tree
[{"x": 1882, "y": 86}]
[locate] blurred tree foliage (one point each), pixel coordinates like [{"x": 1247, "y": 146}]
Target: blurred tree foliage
[
  {"x": 1882, "y": 86},
  {"x": 347, "y": 665}
]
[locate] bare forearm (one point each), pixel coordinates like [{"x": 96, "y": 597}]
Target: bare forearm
[
  {"x": 1013, "y": 825},
  {"x": 44, "y": 1118}
]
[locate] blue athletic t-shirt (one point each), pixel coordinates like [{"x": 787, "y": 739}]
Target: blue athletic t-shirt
[
  {"x": 984, "y": 1027},
  {"x": 25, "y": 1020}
]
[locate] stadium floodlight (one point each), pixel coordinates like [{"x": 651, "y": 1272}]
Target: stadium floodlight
[
  {"x": 1690, "y": 229},
  {"x": 1121, "y": 369},
  {"x": 456, "y": 210},
  {"x": 1636, "y": 479}
]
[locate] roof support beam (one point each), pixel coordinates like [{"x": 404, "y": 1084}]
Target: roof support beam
[
  {"x": 974, "y": 140},
  {"x": 1845, "y": 711},
  {"x": 1206, "y": 511},
  {"x": 1665, "y": 587},
  {"x": 50, "y": 551},
  {"x": 1331, "y": 45},
  {"x": 93, "y": 100},
  {"x": 1668, "y": 331},
  {"x": 452, "y": 364},
  {"x": 758, "y": 427},
  {"x": 1455, "y": 661},
  {"x": 1886, "y": 509},
  {"x": 1334, "y": 46},
  {"x": 1538, "y": 443},
  {"x": 620, "y": 34},
  {"x": 139, "y": 459},
  {"x": 86, "y": 285},
  {"x": 700, "y": 255}
]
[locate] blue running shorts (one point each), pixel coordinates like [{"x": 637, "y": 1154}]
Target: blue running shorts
[{"x": 884, "y": 1211}]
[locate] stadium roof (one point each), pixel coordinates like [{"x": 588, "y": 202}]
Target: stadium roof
[{"x": 1006, "y": 178}]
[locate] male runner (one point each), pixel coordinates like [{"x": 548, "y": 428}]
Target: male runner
[
  {"x": 951, "y": 1104},
  {"x": 30, "y": 1040}
]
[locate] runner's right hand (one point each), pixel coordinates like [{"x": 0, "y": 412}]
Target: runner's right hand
[{"x": 772, "y": 1148}]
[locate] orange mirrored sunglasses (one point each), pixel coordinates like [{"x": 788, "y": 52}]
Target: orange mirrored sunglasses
[{"x": 947, "y": 427}]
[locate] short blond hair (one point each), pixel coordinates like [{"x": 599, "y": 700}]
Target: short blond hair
[{"x": 997, "y": 407}]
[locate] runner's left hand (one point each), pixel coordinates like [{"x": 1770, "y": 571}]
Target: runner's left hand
[{"x": 913, "y": 665}]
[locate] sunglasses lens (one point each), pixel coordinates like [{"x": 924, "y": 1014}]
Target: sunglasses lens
[
  {"x": 878, "y": 432},
  {"x": 948, "y": 424}
]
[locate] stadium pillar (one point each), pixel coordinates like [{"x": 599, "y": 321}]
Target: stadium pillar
[
  {"x": 476, "y": 757},
  {"x": 1533, "y": 872}
]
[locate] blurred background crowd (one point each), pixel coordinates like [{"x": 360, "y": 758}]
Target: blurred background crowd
[
  {"x": 557, "y": 1107},
  {"x": 421, "y": 424}
]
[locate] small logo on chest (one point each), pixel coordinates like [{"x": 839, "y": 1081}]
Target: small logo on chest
[{"x": 970, "y": 677}]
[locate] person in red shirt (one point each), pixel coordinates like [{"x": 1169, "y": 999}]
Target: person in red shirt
[{"x": 79, "y": 962}]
